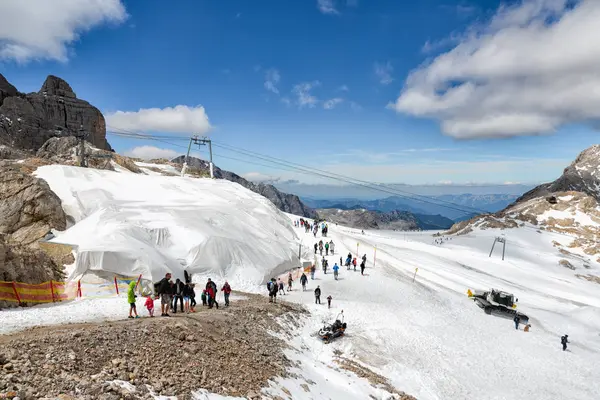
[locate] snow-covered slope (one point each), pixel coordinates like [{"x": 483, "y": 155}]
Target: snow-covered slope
[
  {"x": 132, "y": 224},
  {"x": 435, "y": 343}
]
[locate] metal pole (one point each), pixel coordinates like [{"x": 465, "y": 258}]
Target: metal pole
[
  {"x": 299, "y": 251},
  {"x": 416, "y": 269},
  {"x": 374, "y": 256},
  {"x": 187, "y": 157},
  {"x": 493, "y": 246},
  {"x": 212, "y": 173},
  {"x": 503, "y": 248}
]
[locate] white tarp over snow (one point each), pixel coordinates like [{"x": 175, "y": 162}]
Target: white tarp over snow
[{"x": 132, "y": 224}]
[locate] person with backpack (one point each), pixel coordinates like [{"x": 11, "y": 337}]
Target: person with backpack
[
  {"x": 335, "y": 271},
  {"x": 564, "y": 340},
  {"x": 203, "y": 297},
  {"x": 348, "y": 262},
  {"x": 364, "y": 258},
  {"x": 303, "y": 281},
  {"x": 163, "y": 290},
  {"x": 318, "y": 295},
  {"x": 178, "y": 295},
  {"x": 332, "y": 248},
  {"x": 313, "y": 269},
  {"x": 362, "y": 267},
  {"x": 325, "y": 266},
  {"x": 211, "y": 291},
  {"x": 321, "y": 248},
  {"x": 354, "y": 263},
  {"x": 226, "y": 289},
  {"x": 326, "y": 248},
  {"x": 270, "y": 290}
]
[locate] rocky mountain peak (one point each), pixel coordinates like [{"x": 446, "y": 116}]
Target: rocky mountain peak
[
  {"x": 583, "y": 175},
  {"x": 5, "y": 86},
  {"x": 55, "y": 86},
  {"x": 27, "y": 121}
]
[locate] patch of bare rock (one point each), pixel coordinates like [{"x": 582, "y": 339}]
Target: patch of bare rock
[{"x": 227, "y": 352}]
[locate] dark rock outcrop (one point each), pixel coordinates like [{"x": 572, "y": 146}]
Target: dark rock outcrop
[
  {"x": 583, "y": 175},
  {"x": 367, "y": 219},
  {"x": 28, "y": 208},
  {"x": 284, "y": 201},
  {"x": 27, "y": 121}
]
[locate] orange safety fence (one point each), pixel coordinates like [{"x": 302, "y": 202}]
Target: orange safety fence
[{"x": 52, "y": 291}]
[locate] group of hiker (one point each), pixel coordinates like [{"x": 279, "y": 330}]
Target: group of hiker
[
  {"x": 171, "y": 293},
  {"x": 275, "y": 287},
  {"x": 353, "y": 262},
  {"x": 327, "y": 246}
]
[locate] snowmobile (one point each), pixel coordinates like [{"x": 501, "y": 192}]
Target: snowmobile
[
  {"x": 335, "y": 330},
  {"x": 498, "y": 303}
]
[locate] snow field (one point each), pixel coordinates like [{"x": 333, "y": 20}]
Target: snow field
[{"x": 435, "y": 343}]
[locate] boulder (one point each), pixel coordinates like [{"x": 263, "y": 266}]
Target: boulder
[
  {"x": 25, "y": 264},
  {"x": 28, "y": 208},
  {"x": 27, "y": 121}
]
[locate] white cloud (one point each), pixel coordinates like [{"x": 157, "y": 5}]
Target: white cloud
[
  {"x": 530, "y": 69},
  {"x": 344, "y": 88},
  {"x": 42, "y": 29},
  {"x": 272, "y": 78},
  {"x": 303, "y": 96},
  {"x": 178, "y": 119},
  {"x": 327, "y": 6},
  {"x": 259, "y": 177},
  {"x": 355, "y": 106},
  {"x": 331, "y": 103},
  {"x": 384, "y": 73},
  {"x": 151, "y": 153}
]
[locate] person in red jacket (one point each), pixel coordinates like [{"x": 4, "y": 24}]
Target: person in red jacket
[{"x": 227, "y": 290}]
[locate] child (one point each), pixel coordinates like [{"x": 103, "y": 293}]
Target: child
[
  {"x": 329, "y": 301},
  {"x": 131, "y": 299},
  {"x": 192, "y": 298},
  {"x": 203, "y": 297},
  {"x": 150, "y": 305}
]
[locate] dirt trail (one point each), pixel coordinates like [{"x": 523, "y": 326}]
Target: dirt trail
[{"x": 226, "y": 351}]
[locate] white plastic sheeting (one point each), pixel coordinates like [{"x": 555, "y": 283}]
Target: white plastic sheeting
[{"x": 130, "y": 224}]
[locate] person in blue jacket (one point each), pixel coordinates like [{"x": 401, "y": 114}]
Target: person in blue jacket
[{"x": 335, "y": 271}]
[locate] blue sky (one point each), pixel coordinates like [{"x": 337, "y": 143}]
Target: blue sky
[{"x": 380, "y": 90}]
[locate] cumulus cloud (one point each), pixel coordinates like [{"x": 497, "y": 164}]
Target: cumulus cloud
[
  {"x": 327, "y": 6},
  {"x": 331, "y": 103},
  {"x": 303, "y": 96},
  {"x": 178, "y": 119},
  {"x": 151, "y": 153},
  {"x": 528, "y": 70},
  {"x": 384, "y": 73},
  {"x": 272, "y": 78},
  {"x": 42, "y": 29}
]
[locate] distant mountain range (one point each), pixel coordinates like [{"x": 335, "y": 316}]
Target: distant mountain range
[
  {"x": 391, "y": 220},
  {"x": 454, "y": 207}
]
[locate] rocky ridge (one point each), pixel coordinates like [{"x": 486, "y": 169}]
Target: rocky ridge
[
  {"x": 284, "y": 201},
  {"x": 583, "y": 175},
  {"x": 27, "y": 121},
  {"x": 366, "y": 219}
]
